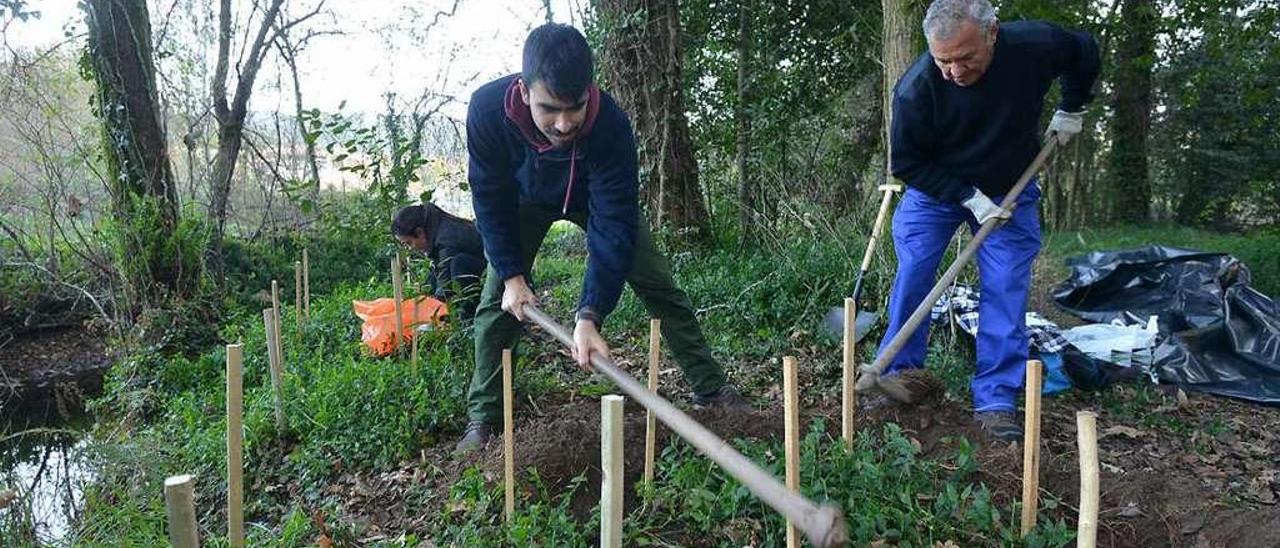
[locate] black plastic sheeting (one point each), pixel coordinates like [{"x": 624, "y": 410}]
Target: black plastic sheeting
[
  {"x": 1217, "y": 334},
  {"x": 1089, "y": 373}
]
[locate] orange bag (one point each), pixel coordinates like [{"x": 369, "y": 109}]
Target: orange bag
[{"x": 379, "y": 315}]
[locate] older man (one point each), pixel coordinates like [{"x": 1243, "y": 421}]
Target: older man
[{"x": 966, "y": 117}]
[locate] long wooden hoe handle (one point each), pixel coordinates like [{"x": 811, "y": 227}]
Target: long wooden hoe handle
[{"x": 822, "y": 525}]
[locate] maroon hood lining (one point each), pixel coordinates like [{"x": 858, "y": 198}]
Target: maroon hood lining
[{"x": 519, "y": 113}]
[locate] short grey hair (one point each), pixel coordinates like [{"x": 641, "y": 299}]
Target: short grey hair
[{"x": 945, "y": 17}]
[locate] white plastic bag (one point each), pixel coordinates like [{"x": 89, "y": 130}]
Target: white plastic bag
[{"x": 1124, "y": 345}]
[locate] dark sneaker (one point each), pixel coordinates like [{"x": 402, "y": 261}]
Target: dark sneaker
[
  {"x": 1001, "y": 425},
  {"x": 478, "y": 434},
  {"x": 726, "y": 397},
  {"x": 912, "y": 387}
]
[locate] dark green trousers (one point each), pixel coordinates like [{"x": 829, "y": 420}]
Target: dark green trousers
[{"x": 650, "y": 278}]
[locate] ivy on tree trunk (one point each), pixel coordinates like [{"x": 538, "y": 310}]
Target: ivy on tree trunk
[
  {"x": 1135, "y": 56},
  {"x": 156, "y": 256},
  {"x": 642, "y": 65}
]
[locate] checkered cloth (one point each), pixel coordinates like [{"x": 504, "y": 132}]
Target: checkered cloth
[{"x": 962, "y": 303}]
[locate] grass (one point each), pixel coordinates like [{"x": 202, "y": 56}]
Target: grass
[
  {"x": 1258, "y": 251},
  {"x": 349, "y": 411},
  {"x": 889, "y": 493}
]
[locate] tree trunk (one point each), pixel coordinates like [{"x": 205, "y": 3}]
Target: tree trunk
[
  {"x": 230, "y": 117},
  {"x": 642, "y": 65},
  {"x": 901, "y": 36},
  {"x": 1135, "y": 53},
  {"x": 1086, "y": 208},
  {"x": 746, "y": 184},
  {"x": 155, "y": 259}
]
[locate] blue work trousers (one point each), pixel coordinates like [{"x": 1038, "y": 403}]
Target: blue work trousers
[{"x": 922, "y": 227}]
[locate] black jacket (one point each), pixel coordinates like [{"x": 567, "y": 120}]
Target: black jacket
[
  {"x": 948, "y": 139},
  {"x": 456, "y": 252}
]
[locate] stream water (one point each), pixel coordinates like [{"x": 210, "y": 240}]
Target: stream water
[{"x": 44, "y": 466}]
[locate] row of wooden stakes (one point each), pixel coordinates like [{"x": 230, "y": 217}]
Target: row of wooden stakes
[
  {"x": 611, "y": 440},
  {"x": 179, "y": 490}
]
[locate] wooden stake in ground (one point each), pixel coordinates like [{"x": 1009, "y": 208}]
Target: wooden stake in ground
[
  {"x": 179, "y": 505},
  {"x": 1031, "y": 448},
  {"x": 508, "y": 437},
  {"x": 850, "y": 374},
  {"x": 651, "y": 422},
  {"x": 235, "y": 458},
  {"x": 1087, "y": 439},
  {"x": 273, "y": 364},
  {"x": 306, "y": 285},
  {"x": 275, "y": 305},
  {"x": 791, "y": 414},
  {"x": 397, "y": 285},
  {"x": 611, "y": 471},
  {"x": 413, "y": 327},
  {"x": 297, "y": 297}
]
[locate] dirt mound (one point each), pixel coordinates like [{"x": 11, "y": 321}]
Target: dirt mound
[
  {"x": 565, "y": 443},
  {"x": 1154, "y": 489},
  {"x": 1160, "y": 487}
]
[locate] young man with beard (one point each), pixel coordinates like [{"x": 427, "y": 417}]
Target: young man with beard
[{"x": 547, "y": 145}]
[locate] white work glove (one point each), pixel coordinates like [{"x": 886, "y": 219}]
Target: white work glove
[
  {"x": 983, "y": 208},
  {"x": 1066, "y": 125}
]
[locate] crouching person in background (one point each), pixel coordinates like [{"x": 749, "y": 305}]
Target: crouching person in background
[{"x": 457, "y": 254}]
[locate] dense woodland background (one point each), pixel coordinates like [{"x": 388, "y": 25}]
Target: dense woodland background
[
  {"x": 149, "y": 195},
  {"x": 136, "y": 165}
]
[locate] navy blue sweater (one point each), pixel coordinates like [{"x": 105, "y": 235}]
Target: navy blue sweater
[
  {"x": 508, "y": 167},
  {"x": 948, "y": 139}
]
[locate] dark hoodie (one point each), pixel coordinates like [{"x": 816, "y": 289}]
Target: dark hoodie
[
  {"x": 512, "y": 163},
  {"x": 457, "y": 257}
]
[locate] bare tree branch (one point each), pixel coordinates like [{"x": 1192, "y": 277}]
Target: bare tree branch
[
  {"x": 58, "y": 279},
  {"x": 283, "y": 28},
  {"x": 224, "y": 53}
]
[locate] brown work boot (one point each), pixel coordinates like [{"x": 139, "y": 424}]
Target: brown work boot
[
  {"x": 725, "y": 397},
  {"x": 868, "y": 375},
  {"x": 478, "y": 434},
  {"x": 1000, "y": 425},
  {"x": 912, "y": 387}
]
